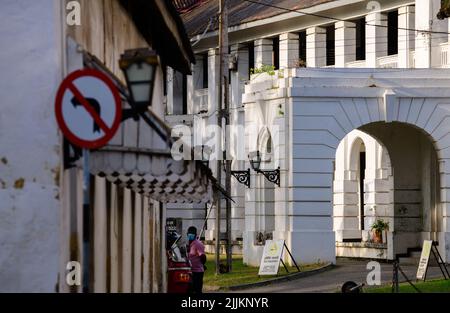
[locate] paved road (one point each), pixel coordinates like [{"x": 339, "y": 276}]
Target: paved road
[{"x": 332, "y": 280}]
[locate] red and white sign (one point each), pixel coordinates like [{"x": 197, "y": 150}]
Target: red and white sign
[{"x": 88, "y": 109}]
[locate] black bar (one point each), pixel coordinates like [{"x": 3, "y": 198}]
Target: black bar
[
  {"x": 287, "y": 249},
  {"x": 285, "y": 267}
]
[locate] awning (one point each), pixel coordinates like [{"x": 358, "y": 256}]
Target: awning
[
  {"x": 153, "y": 174},
  {"x": 139, "y": 158}
]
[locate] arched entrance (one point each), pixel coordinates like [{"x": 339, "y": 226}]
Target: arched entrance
[
  {"x": 406, "y": 111},
  {"x": 260, "y": 203},
  {"x": 417, "y": 211},
  {"x": 362, "y": 190},
  {"x": 387, "y": 172}
]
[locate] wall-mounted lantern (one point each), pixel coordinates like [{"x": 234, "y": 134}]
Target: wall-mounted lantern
[
  {"x": 243, "y": 177},
  {"x": 272, "y": 175},
  {"x": 139, "y": 67}
]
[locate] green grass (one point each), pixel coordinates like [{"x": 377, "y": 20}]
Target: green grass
[
  {"x": 242, "y": 274},
  {"x": 431, "y": 286}
]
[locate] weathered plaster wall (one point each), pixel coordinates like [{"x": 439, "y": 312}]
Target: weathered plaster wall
[{"x": 30, "y": 72}]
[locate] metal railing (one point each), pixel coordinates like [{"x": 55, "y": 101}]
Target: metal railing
[{"x": 390, "y": 61}]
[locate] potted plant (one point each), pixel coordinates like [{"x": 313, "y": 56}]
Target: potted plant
[{"x": 378, "y": 227}]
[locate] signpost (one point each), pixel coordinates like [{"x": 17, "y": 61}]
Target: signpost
[
  {"x": 430, "y": 246},
  {"x": 272, "y": 256},
  {"x": 88, "y": 110},
  {"x": 424, "y": 259}
]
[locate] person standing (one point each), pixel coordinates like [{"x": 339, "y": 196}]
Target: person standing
[{"x": 196, "y": 253}]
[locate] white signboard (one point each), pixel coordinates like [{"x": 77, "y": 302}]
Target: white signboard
[
  {"x": 270, "y": 261},
  {"x": 424, "y": 259}
]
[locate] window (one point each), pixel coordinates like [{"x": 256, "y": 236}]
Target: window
[
  {"x": 276, "y": 53},
  {"x": 360, "y": 39},
  {"x": 205, "y": 70},
  {"x": 362, "y": 176},
  {"x": 251, "y": 57},
  {"x": 302, "y": 46},
  {"x": 330, "y": 45},
  {"x": 179, "y": 93},
  {"x": 184, "y": 109},
  {"x": 392, "y": 32}
]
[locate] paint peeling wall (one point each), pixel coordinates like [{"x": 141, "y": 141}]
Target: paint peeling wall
[{"x": 29, "y": 145}]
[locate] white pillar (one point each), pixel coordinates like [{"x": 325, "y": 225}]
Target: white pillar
[
  {"x": 114, "y": 237},
  {"x": 376, "y": 38},
  {"x": 316, "y": 49},
  {"x": 263, "y": 52},
  {"x": 427, "y": 44},
  {"x": 345, "y": 43},
  {"x": 137, "y": 258},
  {"x": 213, "y": 78},
  {"x": 289, "y": 50},
  {"x": 126, "y": 241},
  {"x": 170, "y": 98},
  {"x": 100, "y": 235},
  {"x": 190, "y": 94},
  {"x": 406, "y": 38}
]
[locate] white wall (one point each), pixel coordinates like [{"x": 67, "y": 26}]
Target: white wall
[{"x": 30, "y": 72}]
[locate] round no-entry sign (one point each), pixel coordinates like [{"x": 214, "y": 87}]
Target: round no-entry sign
[{"x": 88, "y": 109}]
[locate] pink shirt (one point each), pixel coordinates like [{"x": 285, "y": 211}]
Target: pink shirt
[{"x": 196, "y": 249}]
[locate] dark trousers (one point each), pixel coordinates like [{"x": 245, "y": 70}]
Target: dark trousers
[{"x": 197, "y": 282}]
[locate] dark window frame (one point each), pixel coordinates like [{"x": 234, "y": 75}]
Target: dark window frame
[
  {"x": 276, "y": 52},
  {"x": 205, "y": 70},
  {"x": 330, "y": 45},
  {"x": 392, "y": 32},
  {"x": 302, "y": 46},
  {"x": 360, "y": 29}
]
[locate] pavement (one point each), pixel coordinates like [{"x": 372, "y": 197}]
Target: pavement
[{"x": 332, "y": 280}]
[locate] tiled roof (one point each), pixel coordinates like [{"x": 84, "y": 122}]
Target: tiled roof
[{"x": 197, "y": 17}]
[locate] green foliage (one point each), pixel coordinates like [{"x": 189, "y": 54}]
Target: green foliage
[
  {"x": 432, "y": 286},
  {"x": 269, "y": 69},
  {"x": 380, "y": 225}
]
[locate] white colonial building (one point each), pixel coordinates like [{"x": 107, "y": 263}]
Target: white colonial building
[{"x": 361, "y": 134}]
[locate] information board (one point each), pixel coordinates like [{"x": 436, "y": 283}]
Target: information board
[{"x": 270, "y": 261}]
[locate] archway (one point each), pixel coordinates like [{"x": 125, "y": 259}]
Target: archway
[
  {"x": 260, "y": 203},
  {"x": 362, "y": 188},
  {"x": 417, "y": 211}
]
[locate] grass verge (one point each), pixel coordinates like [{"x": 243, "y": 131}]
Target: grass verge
[
  {"x": 243, "y": 274},
  {"x": 431, "y": 286}
]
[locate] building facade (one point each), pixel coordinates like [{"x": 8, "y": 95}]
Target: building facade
[
  {"x": 359, "y": 134},
  {"x": 49, "y": 240}
]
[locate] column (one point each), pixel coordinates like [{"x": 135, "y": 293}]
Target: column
[
  {"x": 345, "y": 43},
  {"x": 263, "y": 52},
  {"x": 238, "y": 79},
  {"x": 213, "y": 78},
  {"x": 127, "y": 241},
  {"x": 100, "y": 235},
  {"x": 190, "y": 94},
  {"x": 289, "y": 50},
  {"x": 316, "y": 49},
  {"x": 376, "y": 38},
  {"x": 169, "y": 98},
  {"x": 406, "y": 38},
  {"x": 427, "y": 44}
]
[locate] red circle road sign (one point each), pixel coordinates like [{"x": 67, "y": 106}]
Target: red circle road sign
[{"x": 88, "y": 108}]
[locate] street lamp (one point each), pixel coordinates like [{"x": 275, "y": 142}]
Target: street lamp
[
  {"x": 271, "y": 175},
  {"x": 139, "y": 68}
]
